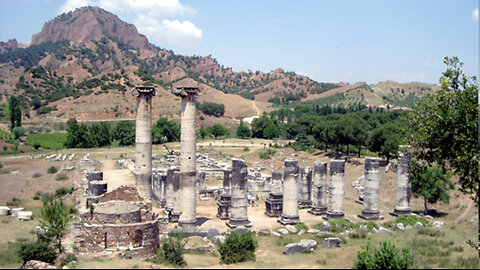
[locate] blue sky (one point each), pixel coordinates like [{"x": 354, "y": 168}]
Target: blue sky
[{"x": 329, "y": 41}]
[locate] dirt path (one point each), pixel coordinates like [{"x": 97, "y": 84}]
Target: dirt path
[
  {"x": 256, "y": 108},
  {"x": 116, "y": 177},
  {"x": 464, "y": 214}
]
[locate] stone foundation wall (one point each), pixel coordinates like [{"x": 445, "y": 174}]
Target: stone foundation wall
[{"x": 124, "y": 193}]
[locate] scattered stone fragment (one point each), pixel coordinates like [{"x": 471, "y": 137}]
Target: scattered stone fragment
[
  {"x": 400, "y": 227},
  {"x": 309, "y": 243},
  {"x": 4, "y": 211},
  {"x": 331, "y": 242},
  {"x": 428, "y": 217},
  {"x": 24, "y": 215},
  {"x": 218, "y": 239},
  {"x": 437, "y": 227},
  {"x": 293, "y": 248},
  {"x": 326, "y": 226},
  {"x": 264, "y": 232},
  {"x": 291, "y": 228},
  {"x": 313, "y": 231},
  {"x": 374, "y": 230},
  {"x": 275, "y": 234},
  {"x": 383, "y": 230},
  {"x": 324, "y": 234},
  {"x": 441, "y": 223},
  {"x": 363, "y": 229},
  {"x": 419, "y": 225},
  {"x": 33, "y": 264},
  {"x": 301, "y": 232},
  {"x": 15, "y": 211},
  {"x": 283, "y": 231}
]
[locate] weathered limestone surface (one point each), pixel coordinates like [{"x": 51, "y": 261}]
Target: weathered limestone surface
[
  {"x": 372, "y": 187},
  {"x": 97, "y": 188},
  {"x": 175, "y": 213},
  {"x": 223, "y": 205},
  {"x": 143, "y": 138},
  {"x": 159, "y": 185},
  {"x": 336, "y": 189},
  {"x": 319, "y": 189},
  {"x": 239, "y": 205},
  {"x": 188, "y": 156},
  {"x": 169, "y": 188},
  {"x": 404, "y": 185},
  {"x": 290, "y": 193},
  {"x": 305, "y": 188}
]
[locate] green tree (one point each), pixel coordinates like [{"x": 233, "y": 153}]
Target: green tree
[
  {"x": 125, "y": 132},
  {"x": 15, "y": 112},
  {"x": 165, "y": 130},
  {"x": 384, "y": 257},
  {"x": 218, "y": 130},
  {"x": 385, "y": 139},
  {"x": 18, "y": 132},
  {"x": 39, "y": 250},
  {"x": 444, "y": 127},
  {"x": 55, "y": 216},
  {"x": 203, "y": 132},
  {"x": 243, "y": 131},
  {"x": 432, "y": 183},
  {"x": 265, "y": 127},
  {"x": 77, "y": 135}
]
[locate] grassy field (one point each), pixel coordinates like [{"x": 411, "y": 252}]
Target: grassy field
[{"x": 48, "y": 140}]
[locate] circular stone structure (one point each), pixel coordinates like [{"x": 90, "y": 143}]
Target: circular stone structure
[
  {"x": 115, "y": 212},
  {"x": 97, "y": 187}
]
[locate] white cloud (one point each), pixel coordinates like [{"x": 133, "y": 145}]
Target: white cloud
[
  {"x": 475, "y": 15},
  {"x": 160, "y": 20}
]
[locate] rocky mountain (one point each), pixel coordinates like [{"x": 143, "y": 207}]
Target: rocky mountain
[{"x": 83, "y": 63}]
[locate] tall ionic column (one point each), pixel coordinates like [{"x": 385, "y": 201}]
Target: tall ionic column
[
  {"x": 290, "y": 193},
  {"x": 336, "y": 189},
  {"x": 404, "y": 185},
  {"x": 239, "y": 204},
  {"x": 143, "y": 138},
  {"x": 372, "y": 186},
  {"x": 319, "y": 189},
  {"x": 305, "y": 188},
  {"x": 188, "y": 155}
]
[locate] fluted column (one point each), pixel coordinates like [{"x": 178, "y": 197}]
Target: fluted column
[
  {"x": 404, "y": 185},
  {"x": 290, "y": 193},
  {"x": 239, "y": 204},
  {"x": 305, "y": 188},
  {"x": 336, "y": 189},
  {"x": 372, "y": 187},
  {"x": 319, "y": 189}
]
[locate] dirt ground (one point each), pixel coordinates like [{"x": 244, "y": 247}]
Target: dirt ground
[{"x": 18, "y": 181}]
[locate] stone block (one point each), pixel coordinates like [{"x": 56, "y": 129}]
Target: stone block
[
  {"x": 291, "y": 229},
  {"x": 293, "y": 248},
  {"x": 283, "y": 231},
  {"x": 15, "y": 211},
  {"x": 441, "y": 223},
  {"x": 4, "y": 211},
  {"x": 212, "y": 232},
  {"x": 301, "y": 232},
  {"x": 313, "y": 231},
  {"x": 383, "y": 230},
  {"x": 326, "y": 226},
  {"x": 218, "y": 239},
  {"x": 419, "y": 225},
  {"x": 363, "y": 229},
  {"x": 275, "y": 234},
  {"x": 25, "y": 215},
  {"x": 400, "y": 227},
  {"x": 331, "y": 242},
  {"x": 437, "y": 227},
  {"x": 309, "y": 243},
  {"x": 324, "y": 234},
  {"x": 428, "y": 217}
]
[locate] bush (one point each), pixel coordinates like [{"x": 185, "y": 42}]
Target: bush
[
  {"x": 63, "y": 191},
  {"x": 267, "y": 154},
  {"x": 61, "y": 176},
  {"x": 385, "y": 257},
  {"x": 52, "y": 170},
  {"x": 37, "y": 175},
  {"x": 40, "y": 250},
  {"x": 171, "y": 251},
  {"x": 67, "y": 259},
  {"x": 18, "y": 132},
  {"x": 238, "y": 247}
]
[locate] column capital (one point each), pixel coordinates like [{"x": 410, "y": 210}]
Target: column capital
[
  {"x": 145, "y": 90},
  {"x": 186, "y": 91}
]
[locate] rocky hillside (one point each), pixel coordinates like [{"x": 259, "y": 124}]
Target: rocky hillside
[{"x": 83, "y": 64}]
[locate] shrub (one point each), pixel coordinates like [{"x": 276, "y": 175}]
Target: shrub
[
  {"x": 52, "y": 170},
  {"x": 67, "y": 259},
  {"x": 384, "y": 257},
  {"x": 14, "y": 202},
  {"x": 39, "y": 250},
  {"x": 430, "y": 232},
  {"x": 171, "y": 251},
  {"x": 38, "y": 195},
  {"x": 63, "y": 191},
  {"x": 267, "y": 154},
  {"x": 36, "y": 175},
  {"x": 238, "y": 247},
  {"x": 61, "y": 176}
]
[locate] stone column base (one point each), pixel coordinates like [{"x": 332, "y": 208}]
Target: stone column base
[
  {"x": 188, "y": 224},
  {"x": 371, "y": 215},
  {"x": 223, "y": 208},
  {"x": 232, "y": 223},
  {"x": 317, "y": 211},
  {"x": 163, "y": 203},
  {"x": 284, "y": 220},
  {"x": 274, "y": 205},
  {"x": 401, "y": 213},
  {"x": 174, "y": 216},
  {"x": 304, "y": 204},
  {"x": 331, "y": 215}
]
